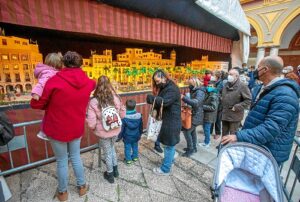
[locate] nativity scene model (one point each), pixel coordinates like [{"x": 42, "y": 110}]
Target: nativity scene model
[{"x": 131, "y": 71}]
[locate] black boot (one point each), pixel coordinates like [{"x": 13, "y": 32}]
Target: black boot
[
  {"x": 116, "y": 172},
  {"x": 188, "y": 153},
  {"x": 158, "y": 149},
  {"x": 109, "y": 177}
]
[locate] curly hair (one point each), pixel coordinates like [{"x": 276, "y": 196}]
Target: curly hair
[
  {"x": 104, "y": 92},
  {"x": 72, "y": 59}
]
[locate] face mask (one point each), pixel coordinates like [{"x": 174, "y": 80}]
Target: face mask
[
  {"x": 210, "y": 89},
  {"x": 230, "y": 79},
  {"x": 284, "y": 71},
  {"x": 255, "y": 74},
  {"x": 191, "y": 87},
  {"x": 160, "y": 85},
  {"x": 213, "y": 78}
]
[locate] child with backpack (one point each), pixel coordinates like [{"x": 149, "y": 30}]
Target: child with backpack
[
  {"x": 43, "y": 72},
  {"x": 104, "y": 115},
  {"x": 132, "y": 129}
]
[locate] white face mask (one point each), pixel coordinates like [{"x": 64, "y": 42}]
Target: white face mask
[
  {"x": 230, "y": 79},
  {"x": 285, "y": 71},
  {"x": 213, "y": 78}
]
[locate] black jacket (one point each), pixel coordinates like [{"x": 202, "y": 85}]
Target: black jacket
[
  {"x": 196, "y": 101},
  {"x": 171, "y": 117}
]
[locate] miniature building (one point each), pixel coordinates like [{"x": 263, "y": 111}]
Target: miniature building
[
  {"x": 211, "y": 65},
  {"x": 18, "y": 59}
]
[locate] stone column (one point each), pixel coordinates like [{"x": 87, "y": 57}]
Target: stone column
[
  {"x": 260, "y": 55},
  {"x": 274, "y": 50}
]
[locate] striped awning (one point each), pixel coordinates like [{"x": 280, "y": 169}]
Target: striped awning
[{"x": 90, "y": 17}]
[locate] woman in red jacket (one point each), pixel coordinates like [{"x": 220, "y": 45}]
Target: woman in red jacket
[
  {"x": 65, "y": 99},
  {"x": 206, "y": 78}
]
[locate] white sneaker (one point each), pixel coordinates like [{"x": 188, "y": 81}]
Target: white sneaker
[
  {"x": 204, "y": 145},
  {"x": 158, "y": 171},
  {"x": 42, "y": 136}
]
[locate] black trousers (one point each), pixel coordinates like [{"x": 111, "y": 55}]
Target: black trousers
[{"x": 217, "y": 125}]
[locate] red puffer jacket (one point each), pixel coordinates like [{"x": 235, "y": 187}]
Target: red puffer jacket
[{"x": 64, "y": 99}]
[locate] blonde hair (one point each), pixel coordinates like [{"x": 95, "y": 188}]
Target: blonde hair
[
  {"x": 54, "y": 60},
  {"x": 197, "y": 81}
]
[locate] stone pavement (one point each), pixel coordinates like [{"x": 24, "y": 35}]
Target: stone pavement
[{"x": 190, "y": 180}]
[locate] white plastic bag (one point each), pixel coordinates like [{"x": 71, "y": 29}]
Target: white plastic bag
[{"x": 154, "y": 123}]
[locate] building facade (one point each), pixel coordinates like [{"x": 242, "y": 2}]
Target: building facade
[{"x": 18, "y": 58}]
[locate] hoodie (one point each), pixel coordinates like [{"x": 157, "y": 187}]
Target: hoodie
[
  {"x": 132, "y": 127},
  {"x": 43, "y": 73},
  {"x": 65, "y": 100}
]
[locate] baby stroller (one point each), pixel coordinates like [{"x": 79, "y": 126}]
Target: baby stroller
[{"x": 246, "y": 172}]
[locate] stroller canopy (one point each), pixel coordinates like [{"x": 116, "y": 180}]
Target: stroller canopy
[{"x": 249, "y": 168}]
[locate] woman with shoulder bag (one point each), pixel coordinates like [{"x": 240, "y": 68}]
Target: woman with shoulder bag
[
  {"x": 168, "y": 96},
  {"x": 197, "y": 95}
]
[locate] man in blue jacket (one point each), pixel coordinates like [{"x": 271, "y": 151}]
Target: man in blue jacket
[{"x": 272, "y": 120}]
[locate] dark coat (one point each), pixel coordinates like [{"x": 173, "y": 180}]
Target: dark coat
[
  {"x": 210, "y": 107},
  {"x": 272, "y": 120},
  {"x": 132, "y": 128},
  {"x": 238, "y": 96},
  {"x": 196, "y": 101},
  {"x": 171, "y": 117}
]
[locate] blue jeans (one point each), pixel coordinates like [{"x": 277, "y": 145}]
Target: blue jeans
[
  {"x": 128, "y": 147},
  {"x": 61, "y": 150},
  {"x": 169, "y": 152},
  {"x": 206, "y": 129}
]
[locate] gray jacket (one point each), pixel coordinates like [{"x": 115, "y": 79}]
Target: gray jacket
[
  {"x": 210, "y": 107},
  {"x": 238, "y": 96},
  {"x": 196, "y": 101}
]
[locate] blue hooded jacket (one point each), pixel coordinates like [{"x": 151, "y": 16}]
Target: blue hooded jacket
[
  {"x": 273, "y": 118},
  {"x": 132, "y": 127}
]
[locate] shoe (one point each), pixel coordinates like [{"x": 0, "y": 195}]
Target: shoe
[
  {"x": 216, "y": 137},
  {"x": 195, "y": 150},
  {"x": 62, "y": 196},
  {"x": 42, "y": 136},
  {"x": 204, "y": 145},
  {"x": 128, "y": 162},
  {"x": 135, "y": 159},
  {"x": 115, "y": 171},
  {"x": 82, "y": 190},
  {"x": 185, "y": 149},
  {"x": 109, "y": 177},
  {"x": 158, "y": 171},
  {"x": 158, "y": 149},
  {"x": 187, "y": 153}
]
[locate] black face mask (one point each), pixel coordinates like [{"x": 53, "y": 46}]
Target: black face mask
[
  {"x": 255, "y": 73},
  {"x": 191, "y": 87}
]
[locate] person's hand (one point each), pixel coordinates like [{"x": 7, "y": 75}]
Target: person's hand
[
  {"x": 35, "y": 97},
  {"x": 228, "y": 139},
  {"x": 181, "y": 96}
]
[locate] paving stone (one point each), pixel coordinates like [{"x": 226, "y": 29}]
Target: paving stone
[
  {"x": 163, "y": 184},
  {"x": 185, "y": 163},
  {"x": 101, "y": 188},
  {"x": 14, "y": 182},
  {"x": 132, "y": 173},
  {"x": 160, "y": 197},
  {"x": 133, "y": 193}
]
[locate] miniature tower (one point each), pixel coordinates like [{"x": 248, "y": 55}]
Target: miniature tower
[{"x": 173, "y": 55}]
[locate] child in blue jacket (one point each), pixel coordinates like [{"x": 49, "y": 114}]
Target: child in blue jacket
[{"x": 132, "y": 129}]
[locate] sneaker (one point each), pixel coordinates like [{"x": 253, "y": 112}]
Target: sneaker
[
  {"x": 42, "y": 136},
  {"x": 128, "y": 162},
  {"x": 135, "y": 159},
  {"x": 82, "y": 190},
  {"x": 204, "y": 145},
  {"x": 158, "y": 149},
  {"x": 62, "y": 196},
  {"x": 158, "y": 171}
]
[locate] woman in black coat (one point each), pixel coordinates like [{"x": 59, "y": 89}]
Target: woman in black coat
[{"x": 169, "y": 95}]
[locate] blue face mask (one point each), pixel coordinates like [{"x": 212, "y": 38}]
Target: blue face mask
[{"x": 210, "y": 89}]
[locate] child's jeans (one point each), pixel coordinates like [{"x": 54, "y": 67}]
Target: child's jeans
[
  {"x": 128, "y": 147},
  {"x": 109, "y": 152}
]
